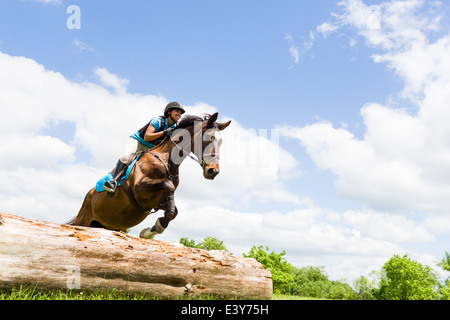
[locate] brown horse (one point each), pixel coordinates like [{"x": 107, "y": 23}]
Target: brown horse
[{"x": 154, "y": 179}]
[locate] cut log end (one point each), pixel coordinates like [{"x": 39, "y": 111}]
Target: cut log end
[{"x": 65, "y": 257}]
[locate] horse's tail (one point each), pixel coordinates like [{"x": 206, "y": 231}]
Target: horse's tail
[
  {"x": 71, "y": 222},
  {"x": 84, "y": 216}
]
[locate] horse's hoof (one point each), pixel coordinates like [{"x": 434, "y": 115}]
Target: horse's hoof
[{"x": 147, "y": 233}]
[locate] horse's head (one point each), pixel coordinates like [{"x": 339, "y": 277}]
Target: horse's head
[
  {"x": 200, "y": 136},
  {"x": 211, "y": 141}
]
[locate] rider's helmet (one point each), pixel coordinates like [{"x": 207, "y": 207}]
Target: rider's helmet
[{"x": 171, "y": 106}]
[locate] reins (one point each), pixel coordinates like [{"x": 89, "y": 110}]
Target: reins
[{"x": 201, "y": 162}]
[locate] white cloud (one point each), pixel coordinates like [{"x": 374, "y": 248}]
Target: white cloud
[
  {"x": 294, "y": 50},
  {"x": 46, "y": 178},
  {"x": 399, "y": 167},
  {"x": 81, "y": 46},
  {"x": 295, "y": 53},
  {"x": 388, "y": 227},
  {"x": 401, "y": 162},
  {"x": 310, "y": 236},
  {"x": 253, "y": 168},
  {"x": 389, "y": 168},
  {"x": 327, "y": 28},
  {"x": 34, "y": 100},
  {"x": 112, "y": 80}
]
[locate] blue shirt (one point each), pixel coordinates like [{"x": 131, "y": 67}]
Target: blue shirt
[{"x": 156, "y": 122}]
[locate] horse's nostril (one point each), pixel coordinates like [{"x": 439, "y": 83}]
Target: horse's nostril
[{"x": 211, "y": 171}]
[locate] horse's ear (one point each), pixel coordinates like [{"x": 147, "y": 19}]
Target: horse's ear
[
  {"x": 222, "y": 126},
  {"x": 212, "y": 120}
]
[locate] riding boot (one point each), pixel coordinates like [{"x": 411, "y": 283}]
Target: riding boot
[{"x": 111, "y": 185}]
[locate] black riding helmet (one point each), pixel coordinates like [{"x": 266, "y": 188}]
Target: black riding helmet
[{"x": 171, "y": 106}]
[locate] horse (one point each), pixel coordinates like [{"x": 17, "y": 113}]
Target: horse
[{"x": 154, "y": 178}]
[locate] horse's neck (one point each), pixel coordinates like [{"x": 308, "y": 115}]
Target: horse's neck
[{"x": 168, "y": 148}]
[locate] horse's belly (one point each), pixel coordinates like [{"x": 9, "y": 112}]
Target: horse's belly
[{"x": 116, "y": 212}]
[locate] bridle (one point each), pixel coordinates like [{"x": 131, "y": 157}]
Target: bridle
[
  {"x": 191, "y": 155},
  {"x": 194, "y": 157}
]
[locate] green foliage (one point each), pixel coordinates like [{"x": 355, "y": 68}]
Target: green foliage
[
  {"x": 188, "y": 243},
  {"x": 313, "y": 282},
  {"x": 400, "y": 278},
  {"x": 405, "y": 279},
  {"x": 304, "y": 282},
  {"x": 282, "y": 271},
  {"x": 364, "y": 288},
  {"x": 209, "y": 243},
  {"x": 444, "y": 291},
  {"x": 445, "y": 262}
]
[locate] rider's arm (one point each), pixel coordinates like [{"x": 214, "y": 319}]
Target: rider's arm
[{"x": 151, "y": 135}]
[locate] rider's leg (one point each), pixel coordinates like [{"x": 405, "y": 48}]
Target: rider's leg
[
  {"x": 111, "y": 185},
  {"x": 131, "y": 147}
]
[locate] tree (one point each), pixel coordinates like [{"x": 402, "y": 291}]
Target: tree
[
  {"x": 445, "y": 262},
  {"x": 307, "y": 281},
  {"x": 282, "y": 271},
  {"x": 187, "y": 243},
  {"x": 405, "y": 279},
  {"x": 209, "y": 243},
  {"x": 364, "y": 288},
  {"x": 310, "y": 281},
  {"x": 444, "y": 290}
]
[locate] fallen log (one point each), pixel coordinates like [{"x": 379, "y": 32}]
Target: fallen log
[{"x": 53, "y": 256}]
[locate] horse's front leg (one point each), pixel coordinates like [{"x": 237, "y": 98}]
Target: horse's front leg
[
  {"x": 169, "y": 214},
  {"x": 160, "y": 225}
]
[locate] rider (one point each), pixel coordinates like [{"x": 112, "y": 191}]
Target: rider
[{"x": 146, "y": 138}]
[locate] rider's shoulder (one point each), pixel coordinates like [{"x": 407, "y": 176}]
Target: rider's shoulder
[{"x": 156, "y": 121}]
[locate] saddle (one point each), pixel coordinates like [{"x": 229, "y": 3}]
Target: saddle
[
  {"x": 121, "y": 177},
  {"x": 123, "y": 181}
]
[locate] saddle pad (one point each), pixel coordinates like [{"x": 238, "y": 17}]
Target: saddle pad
[{"x": 101, "y": 182}]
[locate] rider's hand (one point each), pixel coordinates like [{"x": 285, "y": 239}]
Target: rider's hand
[{"x": 168, "y": 132}]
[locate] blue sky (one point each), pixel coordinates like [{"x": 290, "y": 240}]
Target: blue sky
[
  {"x": 356, "y": 90},
  {"x": 234, "y": 56}
]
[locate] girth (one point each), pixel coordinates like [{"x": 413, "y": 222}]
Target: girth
[
  {"x": 127, "y": 188},
  {"x": 129, "y": 192}
]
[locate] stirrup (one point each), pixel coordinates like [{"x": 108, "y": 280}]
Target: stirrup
[{"x": 110, "y": 186}]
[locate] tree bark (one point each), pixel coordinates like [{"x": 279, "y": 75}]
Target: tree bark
[{"x": 53, "y": 256}]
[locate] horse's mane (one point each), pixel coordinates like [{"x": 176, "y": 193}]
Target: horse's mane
[
  {"x": 189, "y": 120},
  {"x": 186, "y": 121}
]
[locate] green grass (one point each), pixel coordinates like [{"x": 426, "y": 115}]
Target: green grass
[
  {"x": 32, "y": 293},
  {"x": 289, "y": 297}
]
